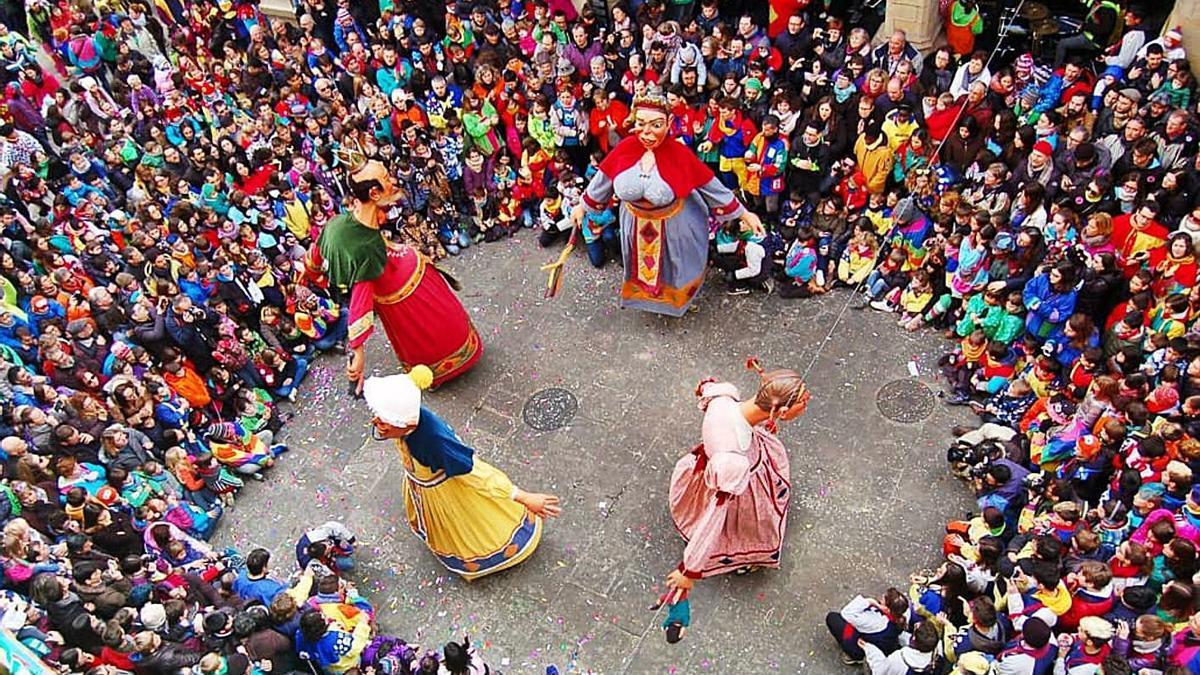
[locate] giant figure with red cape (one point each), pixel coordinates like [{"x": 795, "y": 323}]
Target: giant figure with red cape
[{"x": 667, "y": 196}]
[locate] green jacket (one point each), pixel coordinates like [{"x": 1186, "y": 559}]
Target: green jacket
[
  {"x": 995, "y": 322},
  {"x": 106, "y": 47}
]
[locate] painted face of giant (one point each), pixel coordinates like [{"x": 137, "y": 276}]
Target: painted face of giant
[
  {"x": 651, "y": 127},
  {"x": 388, "y": 194}
]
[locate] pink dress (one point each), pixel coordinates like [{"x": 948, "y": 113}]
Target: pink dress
[{"x": 729, "y": 495}]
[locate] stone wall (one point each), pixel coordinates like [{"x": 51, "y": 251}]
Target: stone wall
[
  {"x": 1187, "y": 17},
  {"x": 918, "y": 18},
  {"x": 278, "y": 8}
]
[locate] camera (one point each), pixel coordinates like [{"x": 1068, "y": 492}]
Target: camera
[
  {"x": 971, "y": 461},
  {"x": 980, "y": 470},
  {"x": 1035, "y": 482}
]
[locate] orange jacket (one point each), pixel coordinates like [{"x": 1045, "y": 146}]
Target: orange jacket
[{"x": 188, "y": 384}]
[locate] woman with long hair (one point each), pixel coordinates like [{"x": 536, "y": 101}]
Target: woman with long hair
[
  {"x": 1029, "y": 208},
  {"x": 1019, "y": 143},
  {"x": 1177, "y": 561},
  {"x": 944, "y": 593},
  {"x": 913, "y": 155},
  {"x": 1050, "y": 298},
  {"x": 1101, "y": 287},
  {"x": 783, "y": 106},
  {"x": 1177, "y": 271},
  {"x": 35, "y": 470},
  {"x": 963, "y": 144},
  {"x": 824, "y": 115}
]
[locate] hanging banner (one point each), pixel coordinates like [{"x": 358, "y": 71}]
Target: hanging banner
[{"x": 17, "y": 659}]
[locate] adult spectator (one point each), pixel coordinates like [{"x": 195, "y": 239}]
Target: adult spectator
[
  {"x": 254, "y": 582},
  {"x": 1099, "y": 30},
  {"x": 896, "y": 50}
]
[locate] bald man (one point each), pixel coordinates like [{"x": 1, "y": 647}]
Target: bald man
[{"x": 14, "y": 448}]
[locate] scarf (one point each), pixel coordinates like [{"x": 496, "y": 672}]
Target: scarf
[
  {"x": 677, "y": 165},
  {"x": 1171, "y": 264},
  {"x": 843, "y": 94},
  {"x": 1146, "y": 647}
]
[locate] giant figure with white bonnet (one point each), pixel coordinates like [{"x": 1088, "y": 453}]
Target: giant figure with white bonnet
[{"x": 467, "y": 512}]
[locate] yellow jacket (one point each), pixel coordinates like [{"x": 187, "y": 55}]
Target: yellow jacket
[
  {"x": 915, "y": 302},
  {"x": 875, "y": 161},
  {"x": 295, "y": 216}
]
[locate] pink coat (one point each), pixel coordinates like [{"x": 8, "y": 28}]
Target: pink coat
[
  {"x": 1182, "y": 529},
  {"x": 729, "y": 495}
]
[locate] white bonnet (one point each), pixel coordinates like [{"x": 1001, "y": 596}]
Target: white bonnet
[{"x": 396, "y": 399}]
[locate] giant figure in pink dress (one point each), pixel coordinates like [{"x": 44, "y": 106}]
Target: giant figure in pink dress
[
  {"x": 729, "y": 495},
  {"x": 394, "y": 283}
]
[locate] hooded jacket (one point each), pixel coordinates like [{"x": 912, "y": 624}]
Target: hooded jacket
[
  {"x": 903, "y": 661},
  {"x": 170, "y": 657}
]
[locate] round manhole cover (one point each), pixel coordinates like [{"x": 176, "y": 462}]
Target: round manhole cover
[
  {"x": 905, "y": 400},
  {"x": 550, "y": 409}
]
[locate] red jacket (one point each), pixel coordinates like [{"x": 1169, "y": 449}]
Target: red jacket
[
  {"x": 854, "y": 198},
  {"x": 1084, "y": 604},
  {"x": 600, "y": 122},
  {"x": 38, "y": 93},
  {"x": 1129, "y": 240},
  {"x": 111, "y": 657}
]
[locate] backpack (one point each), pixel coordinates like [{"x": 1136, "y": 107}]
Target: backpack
[{"x": 389, "y": 656}]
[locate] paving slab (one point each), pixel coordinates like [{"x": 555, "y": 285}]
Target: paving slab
[{"x": 870, "y": 495}]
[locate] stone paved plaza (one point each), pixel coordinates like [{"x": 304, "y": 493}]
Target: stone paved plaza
[{"x": 870, "y": 495}]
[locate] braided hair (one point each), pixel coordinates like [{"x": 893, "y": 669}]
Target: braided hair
[{"x": 778, "y": 390}]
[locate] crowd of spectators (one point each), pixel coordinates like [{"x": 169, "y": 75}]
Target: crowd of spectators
[
  {"x": 167, "y": 164},
  {"x": 1045, "y": 217}
]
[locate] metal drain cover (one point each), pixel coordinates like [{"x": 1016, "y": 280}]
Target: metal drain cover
[
  {"x": 550, "y": 409},
  {"x": 906, "y": 400}
]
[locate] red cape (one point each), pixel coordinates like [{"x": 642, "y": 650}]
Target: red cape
[{"x": 679, "y": 167}]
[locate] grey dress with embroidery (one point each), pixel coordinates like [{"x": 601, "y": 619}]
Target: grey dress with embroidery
[{"x": 685, "y": 235}]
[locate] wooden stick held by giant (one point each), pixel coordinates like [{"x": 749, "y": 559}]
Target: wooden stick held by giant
[{"x": 558, "y": 267}]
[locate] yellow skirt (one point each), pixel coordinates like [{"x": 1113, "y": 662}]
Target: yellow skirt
[{"x": 469, "y": 522}]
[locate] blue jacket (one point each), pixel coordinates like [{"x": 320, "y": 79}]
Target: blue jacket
[
  {"x": 263, "y": 590},
  {"x": 801, "y": 263},
  {"x": 391, "y": 79},
  {"x": 75, "y": 196},
  {"x": 340, "y": 32},
  {"x": 1049, "y": 94},
  {"x": 8, "y": 334},
  {"x": 1065, "y": 353},
  {"x": 1048, "y": 310}
]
